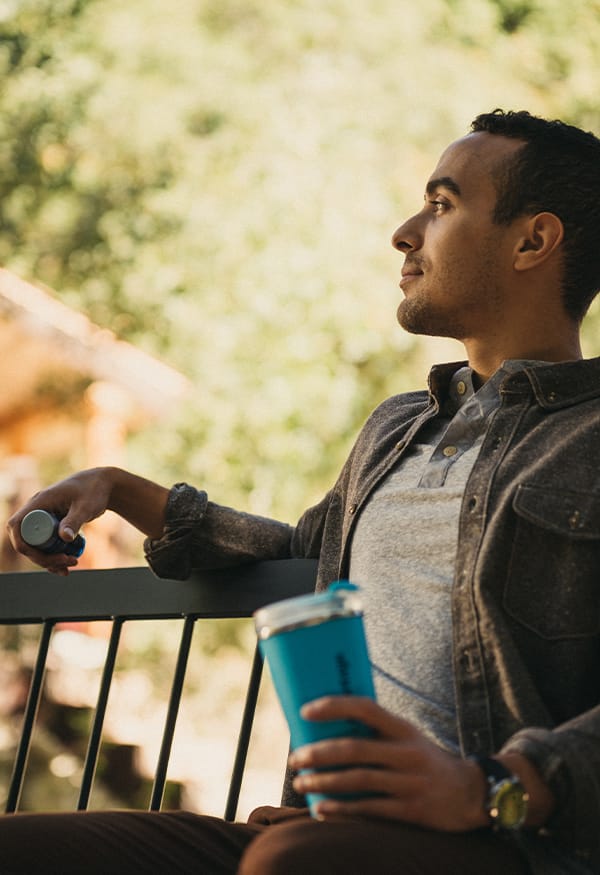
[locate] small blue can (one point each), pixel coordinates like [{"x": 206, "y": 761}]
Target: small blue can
[
  {"x": 39, "y": 529},
  {"x": 315, "y": 646}
]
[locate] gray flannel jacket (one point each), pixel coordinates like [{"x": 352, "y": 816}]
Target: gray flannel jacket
[{"x": 526, "y": 596}]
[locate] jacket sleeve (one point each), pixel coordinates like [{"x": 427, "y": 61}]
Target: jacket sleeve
[
  {"x": 201, "y": 534},
  {"x": 568, "y": 760}
]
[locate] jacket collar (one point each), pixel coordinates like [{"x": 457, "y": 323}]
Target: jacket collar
[
  {"x": 554, "y": 385},
  {"x": 560, "y": 384}
]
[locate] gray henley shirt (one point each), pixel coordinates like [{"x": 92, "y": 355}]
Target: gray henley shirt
[{"x": 403, "y": 557}]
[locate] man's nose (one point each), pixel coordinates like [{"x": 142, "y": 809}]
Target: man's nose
[{"x": 407, "y": 237}]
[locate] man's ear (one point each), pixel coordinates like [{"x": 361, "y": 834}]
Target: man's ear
[{"x": 541, "y": 237}]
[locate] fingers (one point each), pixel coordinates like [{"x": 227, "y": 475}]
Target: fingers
[
  {"x": 66, "y": 530},
  {"x": 55, "y": 563},
  {"x": 398, "y": 773},
  {"x": 388, "y": 808},
  {"x": 336, "y": 752},
  {"x": 413, "y": 798},
  {"x": 361, "y": 780},
  {"x": 61, "y": 502},
  {"x": 358, "y": 765},
  {"x": 61, "y": 566},
  {"x": 387, "y": 793},
  {"x": 360, "y": 708},
  {"x": 397, "y": 744}
]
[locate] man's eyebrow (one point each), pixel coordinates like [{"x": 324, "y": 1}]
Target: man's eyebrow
[{"x": 442, "y": 182}]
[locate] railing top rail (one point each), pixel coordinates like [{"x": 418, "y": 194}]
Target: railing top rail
[{"x": 135, "y": 593}]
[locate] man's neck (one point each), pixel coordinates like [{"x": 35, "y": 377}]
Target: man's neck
[{"x": 485, "y": 360}]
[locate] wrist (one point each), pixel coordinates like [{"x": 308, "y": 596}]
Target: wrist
[
  {"x": 476, "y": 813},
  {"x": 506, "y": 799},
  {"x": 541, "y": 802},
  {"x": 139, "y": 501},
  {"x": 114, "y": 481}
]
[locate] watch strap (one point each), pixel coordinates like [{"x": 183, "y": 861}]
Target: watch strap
[{"x": 494, "y": 770}]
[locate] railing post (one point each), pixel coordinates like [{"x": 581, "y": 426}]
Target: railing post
[
  {"x": 91, "y": 758},
  {"x": 172, "y": 711},
  {"x": 241, "y": 753},
  {"x": 31, "y": 709}
]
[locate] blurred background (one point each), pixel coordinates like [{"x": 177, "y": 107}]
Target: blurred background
[{"x": 196, "y": 283}]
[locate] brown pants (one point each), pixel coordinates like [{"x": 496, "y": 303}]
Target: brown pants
[{"x": 273, "y": 842}]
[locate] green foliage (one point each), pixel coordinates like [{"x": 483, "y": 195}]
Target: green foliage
[
  {"x": 75, "y": 201},
  {"x": 513, "y": 14},
  {"x": 218, "y": 180}
]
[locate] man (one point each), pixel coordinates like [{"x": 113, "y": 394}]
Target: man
[{"x": 470, "y": 515}]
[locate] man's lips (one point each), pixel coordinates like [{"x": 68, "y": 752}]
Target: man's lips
[{"x": 410, "y": 273}]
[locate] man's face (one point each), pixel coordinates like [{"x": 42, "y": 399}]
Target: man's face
[{"x": 457, "y": 261}]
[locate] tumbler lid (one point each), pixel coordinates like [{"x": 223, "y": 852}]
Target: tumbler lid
[
  {"x": 37, "y": 527},
  {"x": 341, "y": 599}
]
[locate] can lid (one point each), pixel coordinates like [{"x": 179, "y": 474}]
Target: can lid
[
  {"x": 341, "y": 599},
  {"x": 37, "y": 527}
]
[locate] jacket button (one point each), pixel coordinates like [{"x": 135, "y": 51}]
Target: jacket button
[
  {"x": 575, "y": 520},
  {"x": 352, "y": 508}
]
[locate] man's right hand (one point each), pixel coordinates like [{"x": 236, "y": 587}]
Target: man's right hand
[{"x": 84, "y": 496}]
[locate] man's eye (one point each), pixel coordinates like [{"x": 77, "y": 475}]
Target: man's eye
[{"x": 438, "y": 206}]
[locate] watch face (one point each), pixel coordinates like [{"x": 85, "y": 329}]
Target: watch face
[{"x": 509, "y": 805}]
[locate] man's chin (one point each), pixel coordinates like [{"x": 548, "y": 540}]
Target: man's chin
[
  {"x": 423, "y": 320},
  {"x": 414, "y": 320}
]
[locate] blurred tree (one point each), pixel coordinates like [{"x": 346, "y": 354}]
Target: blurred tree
[
  {"x": 75, "y": 201},
  {"x": 218, "y": 181}
]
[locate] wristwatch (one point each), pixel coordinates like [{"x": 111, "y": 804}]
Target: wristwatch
[{"x": 506, "y": 802}]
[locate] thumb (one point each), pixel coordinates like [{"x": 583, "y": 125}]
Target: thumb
[
  {"x": 66, "y": 533},
  {"x": 69, "y": 526}
]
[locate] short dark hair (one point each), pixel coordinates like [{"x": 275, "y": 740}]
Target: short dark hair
[{"x": 556, "y": 171}]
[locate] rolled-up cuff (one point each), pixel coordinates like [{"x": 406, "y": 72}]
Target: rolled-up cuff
[
  {"x": 170, "y": 555},
  {"x": 573, "y": 822}
]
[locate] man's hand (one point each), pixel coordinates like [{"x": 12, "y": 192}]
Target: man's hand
[
  {"x": 417, "y": 781},
  {"x": 84, "y": 496}
]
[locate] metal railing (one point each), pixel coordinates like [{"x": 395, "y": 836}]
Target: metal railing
[{"x": 125, "y": 594}]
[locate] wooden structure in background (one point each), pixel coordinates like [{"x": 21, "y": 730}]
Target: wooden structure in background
[{"x": 70, "y": 390}]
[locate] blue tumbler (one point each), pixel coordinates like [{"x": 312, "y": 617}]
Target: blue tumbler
[{"x": 315, "y": 646}]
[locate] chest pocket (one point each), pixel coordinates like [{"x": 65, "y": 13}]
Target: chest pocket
[{"x": 553, "y": 583}]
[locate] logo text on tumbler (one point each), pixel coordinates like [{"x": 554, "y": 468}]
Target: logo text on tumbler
[{"x": 343, "y": 666}]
